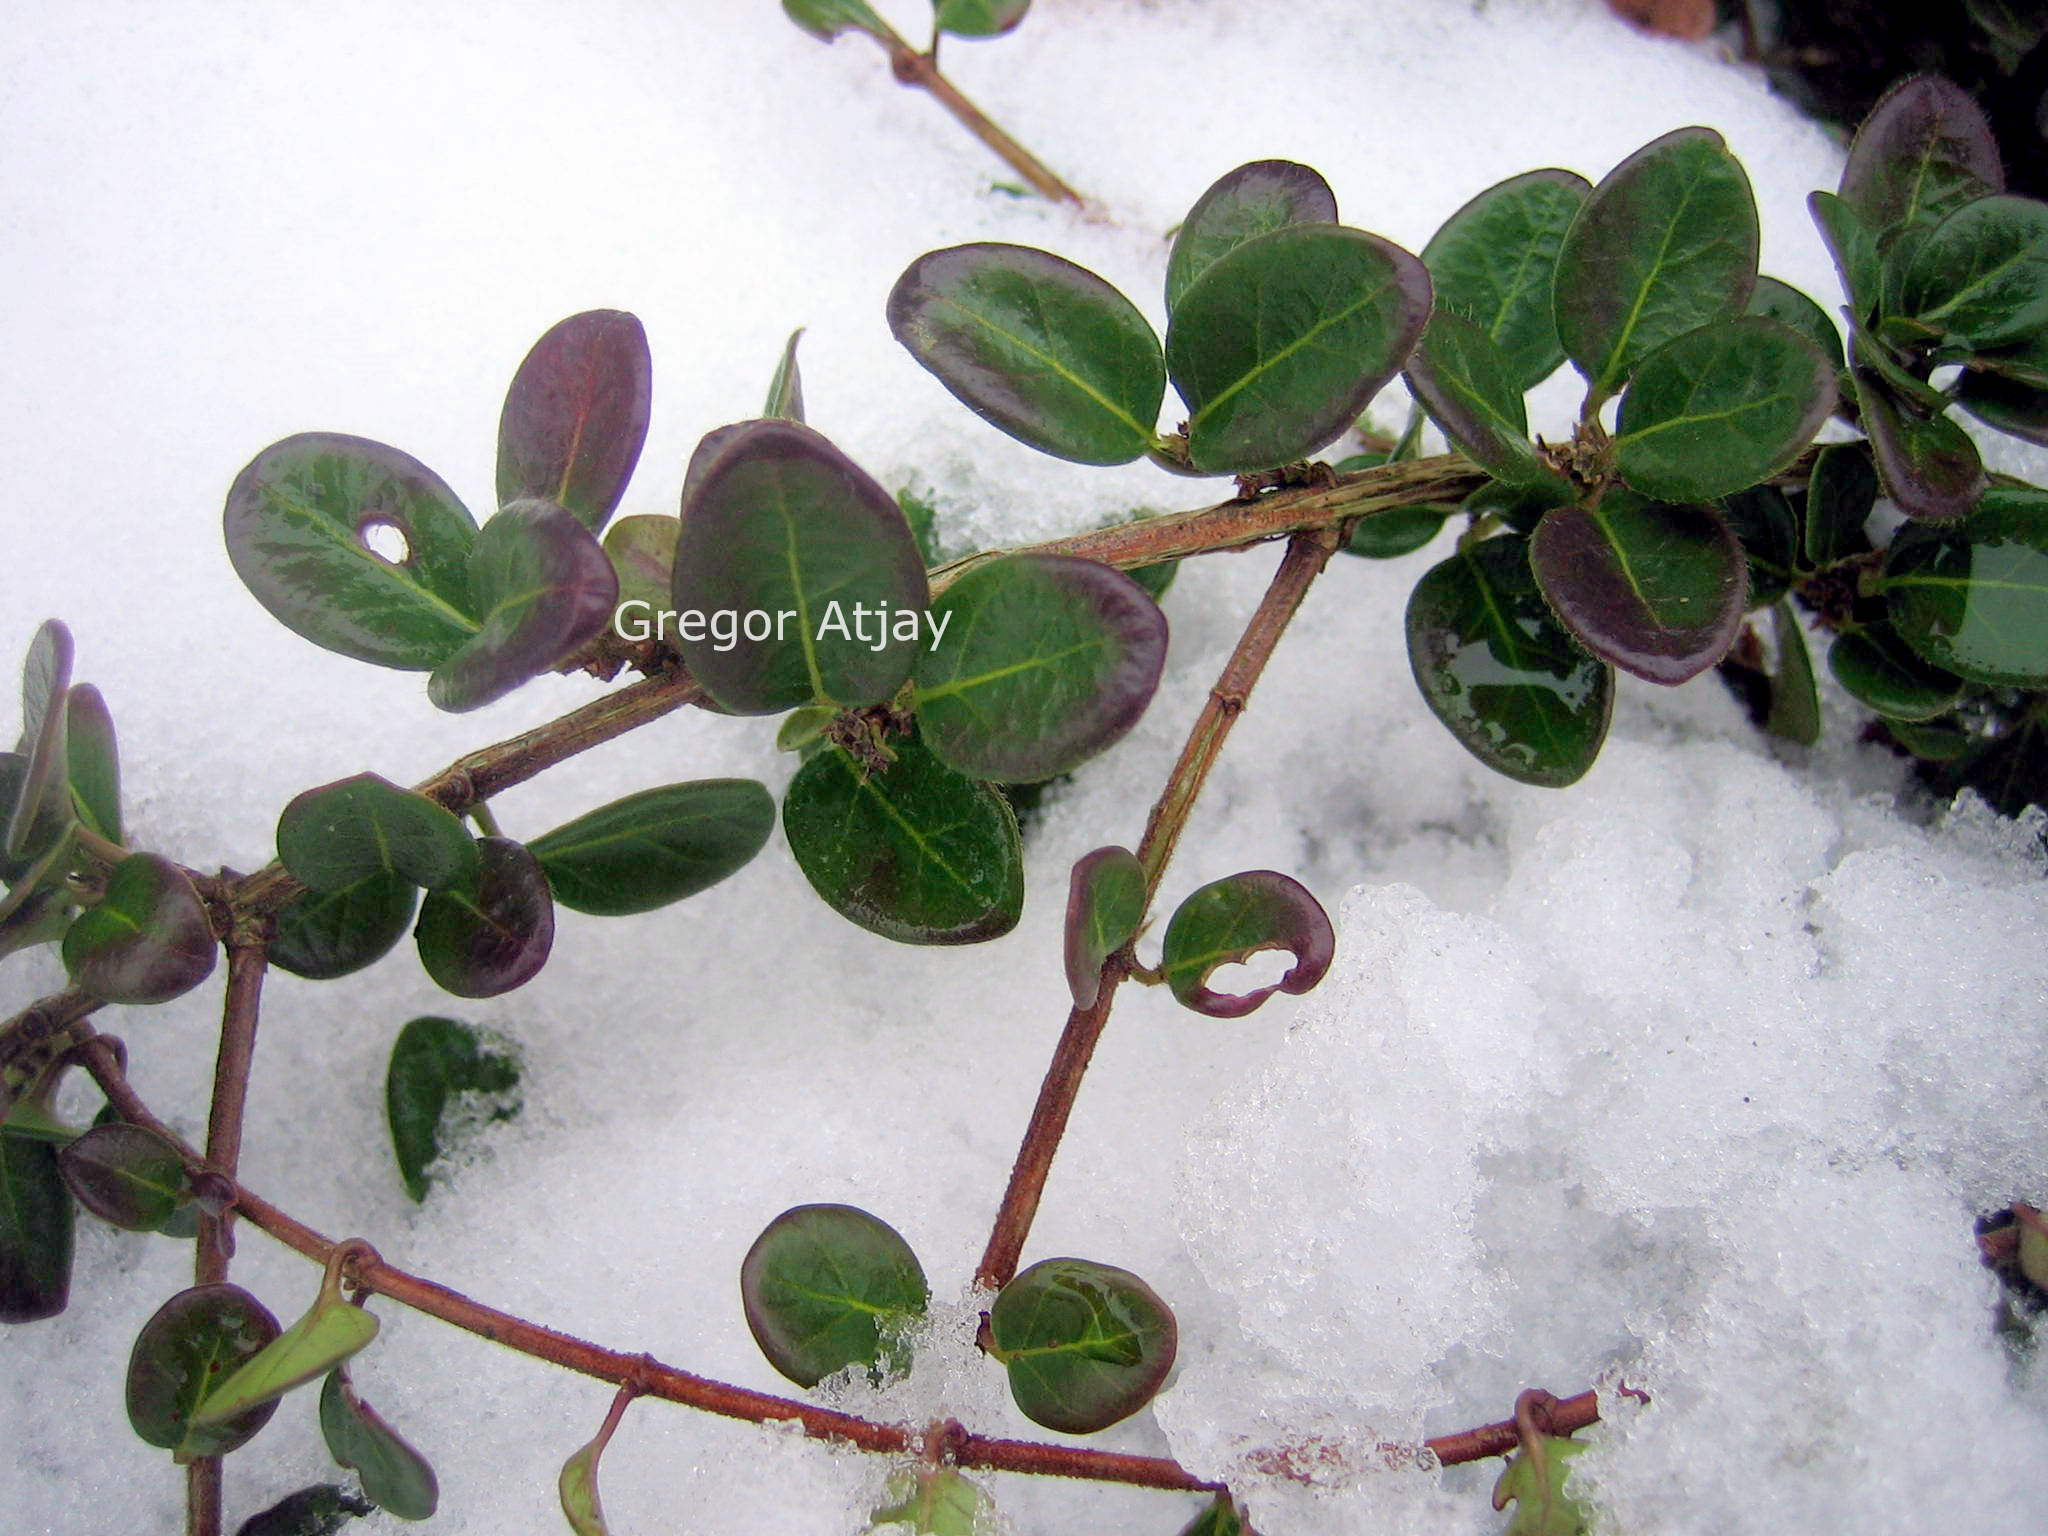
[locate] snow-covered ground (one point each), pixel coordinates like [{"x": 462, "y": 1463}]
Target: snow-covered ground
[{"x": 1694, "y": 1074}]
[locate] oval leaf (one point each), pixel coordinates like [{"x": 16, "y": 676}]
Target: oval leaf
[
  {"x": 786, "y": 388},
  {"x": 1974, "y": 599},
  {"x": 328, "y": 1334},
  {"x": 1840, "y": 494},
  {"x": 1234, "y": 918},
  {"x": 655, "y": 847},
  {"x": 42, "y": 798},
  {"x": 1496, "y": 667},
  {"x": 94, "y": 761},
  {"x": 1877, "y": 667},
  {"x": 297, "y": 519},
  {"x": 1463, "y": 381},
  {"x": 325, "y": 934},
  {"x": 796, "y": 578},
  {"x": 1493, "y": 262},
  {"x": 979, "y": 18},
  {"x": 1252, "y": 200},
  {"x": 828, "y": 1286},
  {"x": 1043, "y": 349},
  {"x": 1791, "y": 308},
  {"x": 912, "y": 851},
  {"x": 1105, "y": 904},
  {"x": 1928, "y": 465},
  {"x": 576, "y": 416},
  {"x": 197, "y": 1338},
  {"x": 1721, "y": 408},
  {"x": 1279, "y": 345},
  {"x": 825, "y": 20},
  {"x": 36, "y": 1219},
  {"x": 577, "y": 1484},
  {"x": 340, "y": 834},
  {"x": 147, "y": 941},
  {"x": 395, "y": 1476},
  {"x": 492, "y": 932},
  {"x": 1085, "y": 1344},
  {"x": 126, "y": 1175},
  {"x": 1656, "y": 589},
  {"x": 934, "y": 1501},
  {"x": 1052, "y": 658},
  {"x": 1665, "y": 243},
  {"x": 1980, "y": 277},
  {"x": 1924, "y": 151},
  {"x": 444, "y": 1075}
]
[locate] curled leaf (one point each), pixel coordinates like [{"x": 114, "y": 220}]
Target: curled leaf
[
  {"x": 1231, "y": 919},
  {"x": 444, "y": 1074},
  {"x": 331, "y": 1331},
  {"x": 1105, "y": 904}
]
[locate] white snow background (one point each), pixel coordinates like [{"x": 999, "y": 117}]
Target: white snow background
[{"x": 1694, "y": 1074}]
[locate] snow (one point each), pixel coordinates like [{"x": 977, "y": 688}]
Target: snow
[{"x": 1692, "y": 1076}]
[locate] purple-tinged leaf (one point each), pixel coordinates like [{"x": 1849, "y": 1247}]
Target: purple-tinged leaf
[
  {"x": 642, "y": 550},
  {"x": 94, "y": 761},
  {"x": 1462, "y": 379},
  {"x": 786, "y": 389},
  {"x": 196, "y": 1339},
  {"x": 1854, "y": 248},
  {"x": 1252, "y": 200},
  {"x": 1105, "y": 904},
  {"x": 2016, "y": 409},
  {"x": 1925, "y": 150},
  {"x": 576, "y": 416},
  {"x": 491, "y": 932},
  {"x": 1085, "y": 1344},
  {"x": 147, "y": 940},
  {"x": 1980, "y": 277},
  {"x": 325, "y": 934},
  {"x": 1234, "y": 918},
  {"x": 334, "y": 836},
  {"x": 1788, "y": 306},
  {"x": 1930, "y": 467},
  {"x": 43, "y": 799},
  {"x": 828, "y": 1286},
  {"x": 1493, "y": 263},
  {"x": 126, "y": 1175}
]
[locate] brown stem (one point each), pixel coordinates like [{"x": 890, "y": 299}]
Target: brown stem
[
  {"x": 202, "y": 1497},
  {"x": 922, "y": 70},
  {"x": 247, "y": 963},
  {"x": 36, "y": 1036}
]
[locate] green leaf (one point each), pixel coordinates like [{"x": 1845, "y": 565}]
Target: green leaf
[
  {"x": 298, "y": 517},
  {"x": 1105, "y": 904},
  {"x": 543, "y": 587},
  {"x": 1036, "y": 664},
  {"x": 325, "y": 934},
  {"x": 1924, "y": 151},
  {"x": 320, "y": 1510},
  {"x": 1980, "y": 277},
  {"x": 126, "y": 1175},
  {"x": 786, "y": 388},
  {"x": 1225, "y": 1517},
  {"x": 1252, "y": 200},
  {"x": 1928, "y": 465},
  {"x": 1085, "y": 1344},
  {"x": 1462, "y": 379},
  {"x": 829, "y": 1286},
  {"x": 781, "y": 526},
  {"x": 1840, "y": 494},
  {"x": 826, "y": 19},
  {"x": 340, "y": 834},
  {"x": 1721, "y": 408},
  {"x": 912, "y": 851},
  {"x": 37, "y": 909},
  {"x": 1794, "y": 713},
  {"x": 492, "y": 932},
  {"x": 1496, "y": 668},
  {"x": 655, "y": 847},
  {"x": 395, "y": 1476},
  {"x": 199, "y": 1337},
  {"x": 1038, "y": 347},
  {"x": 94, "y": 761},
  {"x": 1391, "y": 534},
  {"x": 934, "y": 1501},
  {"x": 1493, "y": 263},
  {"x": 1667, "y": 242},
  {"x": 1878, "y": 668},
  {"x": 577, "y": 1484},
  {"x": 2006, "y": 405},
  {"x": 1232, "y": 919},
  {"x": 1763, "y": 522},
  {"x": 1536, "y": 1485},
  {"x": 1656, "y": 589},
  {"x": 576, "y": 416},
  {"x": 1973, "y": 597},
  {"x": 328, "y": 1334},
  {"x": 642, "y": 550},
  {"x": 42, "y": 801},
  {"x": 35, "y": 1230},
  {"x": 979, "y": 18},
  {"x": 444, "y": 1076},
  {"x": 147, "y": 940},
  {"x": 1854, "y": 249},
  {"x": 1789, "y": 307},
  {"x": 1279, "y": 344}
]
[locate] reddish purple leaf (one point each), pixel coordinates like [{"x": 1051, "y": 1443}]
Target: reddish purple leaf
[
  {"x": 576, "y": 416},
  {"x": 1230, "y": 920}
]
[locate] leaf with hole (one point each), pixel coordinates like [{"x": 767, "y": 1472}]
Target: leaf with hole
[
  {"x": 1037, "y": 663},
  {"x": 1241, "y": 205},
  {"x": 1036, "y": 346},
  {"x": 1794, "y": 712},
  {"x": 1105, "y": 904},
  {"x": 42, "y": 798},
  {"x": 1461, "y": 378},
  {"x": 445, "y": 1078},
  {"x": 786, "y": 386},
  {"x": 1494, "y": 260},
  {"x": 642, "y": 550},
  {"x": 330, "y": 1332},
  {"x": 1665, "y": 243},
  {"x": 1232, "y": 919},
  {"x": 395, "y": 1476},
  {"x": 655, "y": 847},
  {"x": 979, "y": 18},
  {"x": 826, "y": 19},
  {"x": 324, "y": 934},
  {"x": 126, "y": 1175},
  {"x": 1763, "y": 522},
  {"x": 780, "y": 525},
  {"x": 1973, "y": 599},
  {"x": 1879, "y": 669},
  {"x": 148, "y": 938},
  {"x": 1279, "y": 344},
  {"x": 829, "y": 1286},
  {"x": 1927, "y": 464},
  {"x": 911, "y": 850},
  {"x": 1791, "y": 308},
  {"x": 296, "y": 523},
  {"x": 199, "y": 1337},
  {"x": 1980, "y": 276},
  {"x": 1924, "y": 151},
  {"x": 1494, "y": 665},
  {"x": 1085, "y": 1344},
  {"x": 576, "y": 416},
  {"x": 320, "y": 1510},
  {"x": 1535, "y": 1485},
  {"x": 36, "y": 1220},
  {"x": 491, "y": 932},
  {"x": 339, "y": 834},
  {"x": 1840, "y": 494}
]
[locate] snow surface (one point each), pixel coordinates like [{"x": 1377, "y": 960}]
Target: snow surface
[{"x": 1693, "y": 1075}]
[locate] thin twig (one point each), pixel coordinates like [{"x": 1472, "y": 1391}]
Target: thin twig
[{"x": 922, "y": 70}]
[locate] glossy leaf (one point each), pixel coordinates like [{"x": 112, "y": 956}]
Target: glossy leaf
[
  {"x": 2006, "y": 405},
  {"x": 1974, "y": 598},
  {"x": 1853, "y": 245},
  {"x": 196, "y": 1339},
  {"x": 325, "y": 934},
  {"x": 93, "y": 761},
  {"x": 1840, "y": 494},
  {"x": 576, "y": 416},
  {"x": 829, "y": 1286},
  {"x": 1232, "y": 919},
  {"x": 1105, "y": 904},
  {"x": 1085, "y": 1344},
  {"x": 912, "y": 851},
  {"x": 342, "y": 833},
  {"x": 1536, "y": 1487},
  {"x": 395, "y": 1476},
  {"x": 1493, "y": 263},
  {"x": 1665, "y": 243},
  {"x": 1878, "y": 668},
  {"x": 1980, "y": 277},
  {"x": 1496, "y": 667},
  {"x": 1791, "y": 308},
  {"x": 979, "y": 18},
  {"x": 1658, "y": 590},
  {"x": 1043, "y": 349},
  {"x": 1040, "y": 662},
  {"x": 1279, "y": 344},
  {"x": 642, "y": 550},
  {"x": 147, "y": 940},
  {"x": 320, "y": 1510},
  {"x": 1924, "y": 151},
  {"x": 1721, "y": 408},
  {"x": 543, "y": 587},
  {"x": 1252, "y": 200},
  {"x": 1763, "y": 522},
  {"x": 1794, "y": 712},
  {"x": 1462, "y": 378},
  {"x": 826, "y": 19},
  {"x": 786, "y": 387},
  {"x": 655, "y": 847},
  {"x": 36, "y": 1220},
  {"x": 778, "y": 523},
  {"x": 491, "y": 932},
  {"x": 43, "y": 794},
  {"x": 1927, "y": 464},
  {"x": 126, "y": 1175},
  {"x": 933, "y": 1501},
  {"x": 330, "y": 1332},
  {"x": 444, "y": 1074},
  {"x": 297, "y": 519}
]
